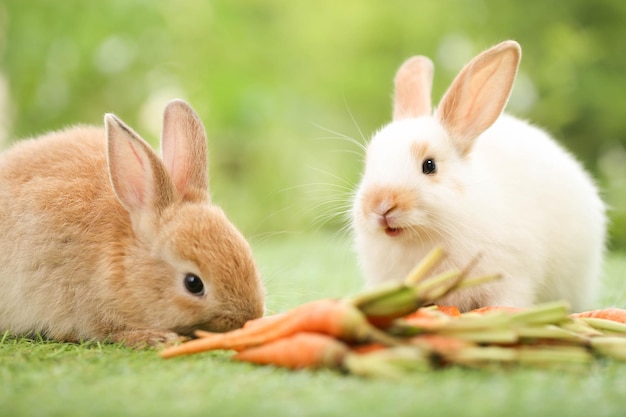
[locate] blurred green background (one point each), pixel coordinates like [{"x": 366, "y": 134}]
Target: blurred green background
[{"x": 281, "y": 84}]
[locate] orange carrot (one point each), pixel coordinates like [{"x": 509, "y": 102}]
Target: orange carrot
[
  {"x": 247, "y": 325},
  {"x": 203, "y": 333},
  {"x": 449, "y": 310},
  {"x": 452, "y": 311},
  {"x": 302, "y": 350},
  {"x": 262, "y": 320},
  {"x": 428, "y": 313},
  {"x": 440, "y": 344},
  {"x": 332, "y": 317},
  {"x": 420, "y": 313},
  {"x": 426, "y": 318},
  {"x": 489, "y": 309},
  {"x": 611, "y": 313}
]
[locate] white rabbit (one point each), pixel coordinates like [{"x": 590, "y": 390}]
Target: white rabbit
[
  {"x": 473, "y": 180},
  {"x": 103, "y": 240}
]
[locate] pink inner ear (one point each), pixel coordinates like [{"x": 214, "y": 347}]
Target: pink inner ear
[
  {"x": 413, "y": 84},
  {"x": 136, "y": 177},
  {"x": 129, "y": 167},
  {"x": 183, "y": 148},
  {"x": 175, "y": 164},
  {"x": 479, "y": 94}
]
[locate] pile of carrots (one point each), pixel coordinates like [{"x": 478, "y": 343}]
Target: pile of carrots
[{"x": 399, "y": 329}]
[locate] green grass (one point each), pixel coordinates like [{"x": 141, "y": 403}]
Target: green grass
[{"x": 39, "y": 378}]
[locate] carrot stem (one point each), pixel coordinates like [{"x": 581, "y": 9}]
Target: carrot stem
[{"x": 429, "y": 262}]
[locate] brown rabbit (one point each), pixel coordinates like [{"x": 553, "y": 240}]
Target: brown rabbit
[{"x": 103, "y": 240}]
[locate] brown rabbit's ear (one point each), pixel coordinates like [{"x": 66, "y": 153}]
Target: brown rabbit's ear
[
  {"x": 413, "y": 85},
  {"x": 479, "y": 93},
  {"x": 137, "y": 174},
  {"x": 183, "y": 148}
]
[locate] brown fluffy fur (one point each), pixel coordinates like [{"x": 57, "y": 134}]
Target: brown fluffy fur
[{"x": 98, "y": 234}]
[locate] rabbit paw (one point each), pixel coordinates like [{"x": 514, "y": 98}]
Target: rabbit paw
[{"x": 143, "y": 338}]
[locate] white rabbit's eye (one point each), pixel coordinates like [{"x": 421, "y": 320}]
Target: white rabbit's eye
[
  {"x": 429, "y": 166},
  {"x": 194, "y": 284}
]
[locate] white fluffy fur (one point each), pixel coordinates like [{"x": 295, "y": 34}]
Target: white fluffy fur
[{"x": 517, "y": 198}]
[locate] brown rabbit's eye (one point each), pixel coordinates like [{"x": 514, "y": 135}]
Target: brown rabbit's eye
[
  {"x": 194, "y": 284},
  {"x": 429, "y": 166}
]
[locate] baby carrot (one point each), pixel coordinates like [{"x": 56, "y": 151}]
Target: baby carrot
[
  {"x": 332, "y": 317},
  {"x": 261, "y": 321},
  {"x": 450, "y": 310},
  {"x": 440, "y": 344},
  {"x": 426, "y": 318},
  {"x": 427, "y": 311},
  {"x": 302, "y": 350},
  {"x": 386, "y": 321},
  {"x": 613, "y": 314}
]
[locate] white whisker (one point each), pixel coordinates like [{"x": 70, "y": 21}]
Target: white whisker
[
  {"x": 356, "y": 124},
  {"x": 341, "y": 136}
]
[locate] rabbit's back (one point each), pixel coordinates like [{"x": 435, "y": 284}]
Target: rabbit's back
[
  {"x": 56, "y": 210},
  {"x": 60, "y": 179},
  {"x": 548, "y": 200},
  {"x": 54, "y": 154}
]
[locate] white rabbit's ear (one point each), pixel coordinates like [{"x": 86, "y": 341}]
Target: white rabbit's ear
[
  {"x": 183, "y": 147},
  {"x": 479, "y": 93},
  {"x": 137, "y": 175},
  {"x": 413, "y": 85}
]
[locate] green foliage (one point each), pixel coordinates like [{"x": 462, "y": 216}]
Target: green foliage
[{"x": 271, "y": 78}]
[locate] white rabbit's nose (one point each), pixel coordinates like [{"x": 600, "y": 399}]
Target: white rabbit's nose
[
  {"x": 385, "y": 208},
  {"x": 386, "y": 217},
  {"x": 387, "y": 222},
  {"x": 384, "y": 213}
]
